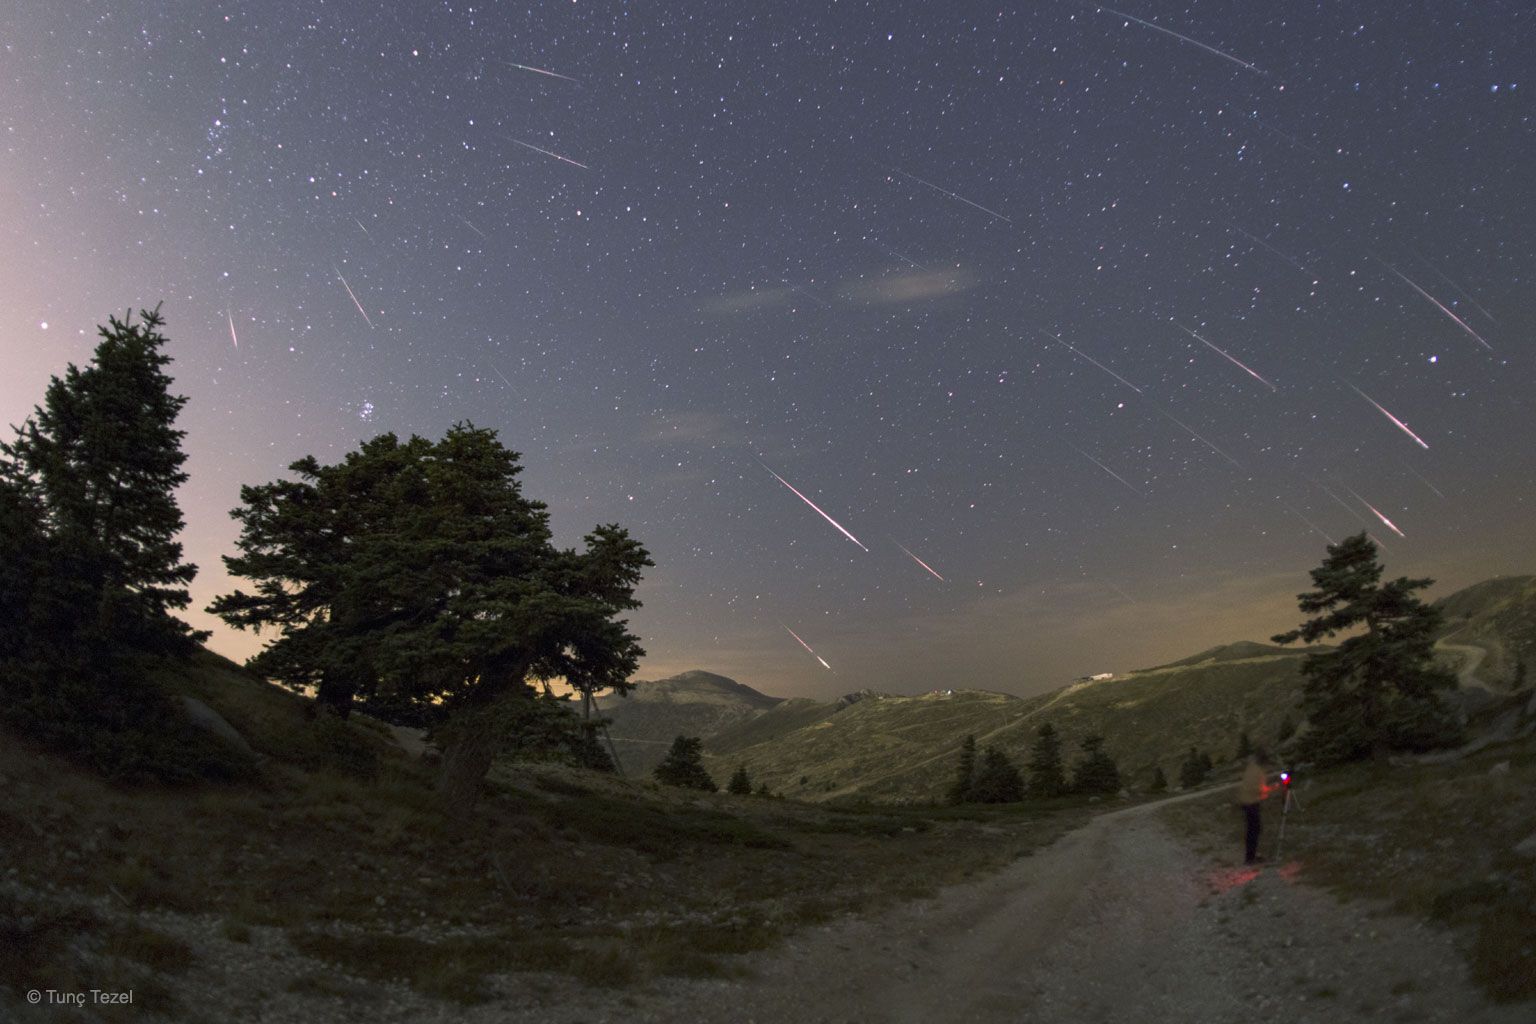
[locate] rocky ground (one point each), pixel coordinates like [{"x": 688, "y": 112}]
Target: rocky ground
[{"x": 1120, "y": 920}]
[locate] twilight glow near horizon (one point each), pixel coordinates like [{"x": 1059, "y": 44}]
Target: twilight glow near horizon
[{"x": 1069, "y": 334}]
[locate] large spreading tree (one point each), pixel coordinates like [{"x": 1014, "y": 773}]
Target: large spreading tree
[
  {"x": 418, "y": 574},
  {"x": 1379, "y": 689}
]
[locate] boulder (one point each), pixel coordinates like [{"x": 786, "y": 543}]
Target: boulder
[{"x": 205, "y": 718}]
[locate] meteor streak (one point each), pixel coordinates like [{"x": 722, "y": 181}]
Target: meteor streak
[
  {"x": 1459, "y": 289},
  {"x": 232, "y": 336},
  {"x": 1092, "y": 360},
  {"x": 806, "y": 645},
  {"x": 1423, "y": 480},
  {"x": 1227, "y": 356},
  {"x": 919, "y": 561},
  {"x": 1181, "y": 38},
  {"x": 1105, "y": 468},
  {"x": 813, "y": 505},
  {"x": 1196, "y": 435},
  {"x": 360, "y": 224},
  {"x": 1399, "y": 424},
  {"x": 947, "y": 192},
  {"x": 546, "y": 152},
  {"x": 471, "y": 227},
  {"x": 1438, "y": 304},
  {"x": 1256, "y": 240},
  {"x": 1389, "y": 524},
  {"x": 537, "y": 71},
  {"x": 359, "y": 305}
]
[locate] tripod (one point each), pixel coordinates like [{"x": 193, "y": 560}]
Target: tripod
[{"x": 1290, "y": 798}]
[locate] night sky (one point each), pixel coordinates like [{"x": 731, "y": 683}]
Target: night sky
[{"x": 1088, "y": 313}]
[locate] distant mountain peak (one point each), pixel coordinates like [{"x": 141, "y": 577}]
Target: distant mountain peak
[{"x": 699, "y": 686}]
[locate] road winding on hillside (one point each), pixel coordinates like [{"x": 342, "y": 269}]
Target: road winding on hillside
[{"x": 1118, "y": 921}]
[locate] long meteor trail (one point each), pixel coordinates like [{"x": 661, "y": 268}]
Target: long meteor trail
[
  {"x": 546, "y": 152},
  {"x": 919, "y": 561},
  {"x": 1437, "y": 303},
  {"x": 1106, "y": 469},
  {"x": 952, "y": 195},
  {"x": 1399, "y": 424},
  {"x": 353, "y": 295},
  {"x": 813, "y": 505},
  {"x": 807, "y": 647},
  {"x": 1228, "y": 357},
  {"x": 538, "y": 71},
  {"x": 1198, "y": 437},
  {"x": 232, "y": 336},
  {"x": 1181, "y": 38},
  {"x": 1083, "y": 355}
]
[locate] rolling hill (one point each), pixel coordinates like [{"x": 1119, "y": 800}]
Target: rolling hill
[{"x": 696, "y": 703}]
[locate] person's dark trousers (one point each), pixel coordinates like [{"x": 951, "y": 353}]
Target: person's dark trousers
[{"x": 1251, "y": 832}]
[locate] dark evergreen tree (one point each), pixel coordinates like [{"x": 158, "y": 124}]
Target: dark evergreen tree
[
  {"x": 419, "y": 573},
  {"x": 965, "y": 773},
  {"x": 1207, "y": 765},
  {"x": 1193, "y": 771},
  {"x": 741, "y": 783},
  {"x": 1286, "y": 730},
  {"x": 684, "y": 766},
  {"x": 1244, "y": 746},
  {"x": 1159, "y": 783},
  {"x": 1379, "y": 690},
  {"x": 997, "y": 780},
  {"x": 98, "y": 464},
  {"x": 1097, "y": 772},
  {"x": 1047, "y": 778}
]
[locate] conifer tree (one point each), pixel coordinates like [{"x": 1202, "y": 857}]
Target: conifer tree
[
  {"x": 1047, "y": 778},
  {"x": 741, "y": 783},
  {"x": 1193, "y": 771},
  {"x": 1096, "y": 773},
  {"x": 98, "y": 463},
  {"x": 1159, "y": 783},
  {"x": 1378, "y": 690},
  {"x": 1244, "y": 746},
  {"x": 1286, "y": 730},
  {"x": 997, "y": 780},
  {"x": 418, "y": 572},
  {"x": 965, "y": 772},
  {"x": 684, "y": 766}
]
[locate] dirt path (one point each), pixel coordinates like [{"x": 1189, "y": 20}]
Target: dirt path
[
  {"x": 1467, "y": 674},
  {"x": 1119, "y": 921}
]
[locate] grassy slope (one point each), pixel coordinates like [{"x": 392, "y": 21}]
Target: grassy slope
[
  {"x": 645, "y": 722},
  {"x": 337, "y": 849},
  {"x": 901, "y": 748},
  {"x": 1498, "y": 615}
]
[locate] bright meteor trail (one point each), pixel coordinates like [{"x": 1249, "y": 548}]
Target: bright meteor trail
[
  {"x": 1389, "y": 524},
  {"x": 1438, "y": 304},
  {"x": 1182, "y": 38},
  {"x": 232, "y": 335},
  {"x": 546, "y": 152},
  {"x": 806, "y": 645},
  {"x": 1399, "y": 424},
  {"x": 1228, "y": 357},
  {"x": 813, "y": 505},
  {"x": 538, "y": 71},
  {"x": 919, "y": 561},
  {"x": 359, "y": 305}
]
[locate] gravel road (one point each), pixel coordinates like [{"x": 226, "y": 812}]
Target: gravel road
[{"x": 1118, "y": 921}]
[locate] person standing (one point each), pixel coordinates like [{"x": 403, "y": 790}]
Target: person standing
[{"x": 1251, "y": 793}]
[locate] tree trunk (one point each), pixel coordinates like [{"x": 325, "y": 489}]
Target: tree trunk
[
  {"x": 335, "y": 693},
  {"x": 468, "y": 759}
]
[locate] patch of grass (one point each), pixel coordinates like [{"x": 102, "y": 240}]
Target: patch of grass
[
  {"x": 651, "y": 828},
  {"x": 154, "y": 949}
]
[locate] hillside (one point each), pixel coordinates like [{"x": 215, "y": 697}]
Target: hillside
[
  {"x": 1498, "y": 617},
  {"x": 696, "y": 703},
  {"x": 901, "y": 748}
]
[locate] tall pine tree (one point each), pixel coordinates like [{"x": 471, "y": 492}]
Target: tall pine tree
[
  {"x": 99, "y": 462},
  {"x": 1378, "y": 690},
  {"x": 997, "y": 780},
  {"x": 1047, "y": 778},
  {"x": 1096, "y": 773},
  {"x": 965, "y": 772}
]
